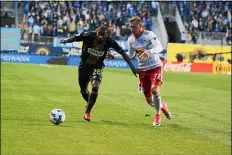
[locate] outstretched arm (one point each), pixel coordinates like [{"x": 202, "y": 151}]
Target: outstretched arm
[
  {"x": 69, "y": 40},
  {"x": 130, "y": 53},
  {"x": 121, "y": 52},
  {"x": 128, "y": 60},
  {"x": 80, "y": 37}
]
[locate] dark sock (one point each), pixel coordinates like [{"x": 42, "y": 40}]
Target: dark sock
[
  {"x": 91, "y": 101},
  {"x": 85, "y": 95}
]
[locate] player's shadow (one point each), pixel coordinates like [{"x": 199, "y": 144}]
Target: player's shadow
[
  {"x": 124, "y": 124},
  {"x": 49, "y": 124},
  {"x": 115, "y": 123},
  {"x": 32, "y": 122}
]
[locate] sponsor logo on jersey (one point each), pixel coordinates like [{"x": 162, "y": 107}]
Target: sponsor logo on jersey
[
  {"x": 97, "y": 49},
  {"x": 95, "y": 52}
]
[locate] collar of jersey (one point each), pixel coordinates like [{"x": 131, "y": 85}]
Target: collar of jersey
[{"x": 140, "y": 34}]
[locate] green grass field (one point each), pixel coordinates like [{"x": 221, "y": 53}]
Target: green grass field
[{"x": 200, "y": 105}]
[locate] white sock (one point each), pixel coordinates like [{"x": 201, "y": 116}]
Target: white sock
[{"x": 157, "y": 103}]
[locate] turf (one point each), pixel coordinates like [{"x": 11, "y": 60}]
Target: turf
[{"x": 200, "y": 106}]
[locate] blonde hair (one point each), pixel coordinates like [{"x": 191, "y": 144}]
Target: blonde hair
[{"x": 136, "y": 19}]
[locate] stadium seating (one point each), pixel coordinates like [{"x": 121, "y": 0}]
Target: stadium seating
[
  {"x": 59, "y": 18},
  {"x": 205, "y": 16},
  {"x": 68, "y": 18}
]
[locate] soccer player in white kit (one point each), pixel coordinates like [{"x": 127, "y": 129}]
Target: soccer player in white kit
[{"x": 147, "y": 47}]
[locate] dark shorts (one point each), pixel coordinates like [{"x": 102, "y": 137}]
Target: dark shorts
[{"x": 87, "y": 74}]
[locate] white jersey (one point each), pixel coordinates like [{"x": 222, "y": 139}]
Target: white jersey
[{"x": 147, "y": 41}]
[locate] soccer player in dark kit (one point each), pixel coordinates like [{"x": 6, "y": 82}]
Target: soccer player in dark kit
[{"x": 94, "y": 50}]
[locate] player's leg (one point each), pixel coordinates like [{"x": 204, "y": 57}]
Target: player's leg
[
  {"x": 156, "y": 97},
  {"x": 145, "y": 86},
  {"x": 83, "y": 79},
  {"x": 146, "y": 82},
  {"x": 93, "y": 95},
  {"x": 156, "y": 76},
  {"x": 95, "y": 82},
  {"x": 156, "y": 80}
]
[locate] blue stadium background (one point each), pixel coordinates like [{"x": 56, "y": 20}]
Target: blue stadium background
[{"x": 32, "y": 29}]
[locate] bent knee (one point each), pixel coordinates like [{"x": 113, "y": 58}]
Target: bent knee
[{"x": 155, "y": 90}]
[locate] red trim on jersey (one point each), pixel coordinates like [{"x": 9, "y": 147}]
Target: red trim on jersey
[{"x": 145, "y": 32}]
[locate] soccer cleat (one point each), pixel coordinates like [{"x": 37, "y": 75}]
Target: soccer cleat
[
  {"x": 165, "y": 111},
  {"x": 87, "y": 117},
  {"x": 157, "y": 120}
]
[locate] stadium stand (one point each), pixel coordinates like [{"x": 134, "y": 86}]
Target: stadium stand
[
  {"x": 67, "y": 18},
  {"x": 203, "y": 21},
  {"x": 206, "y": 20}
]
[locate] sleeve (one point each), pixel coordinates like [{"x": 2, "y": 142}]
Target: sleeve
[
  {"x": 156, "y": 45},
  {"x": 130, "y": 53},
  {"x": 82, "y": 36},
  {"x": 116, "y": 46}
]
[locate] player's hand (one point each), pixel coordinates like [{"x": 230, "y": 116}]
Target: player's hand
[
  {"x": 62, "y": 41},
  {"x": 136, "y": 71},
  {"x": 110, "y": 56}
]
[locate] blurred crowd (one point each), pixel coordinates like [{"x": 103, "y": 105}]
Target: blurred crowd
[
  {"x": 205, "y": 16},
  {"x": 58, "y": 18},
  {"x": 209, "y": 16}
]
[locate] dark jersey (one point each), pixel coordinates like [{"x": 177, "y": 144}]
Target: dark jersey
[{"x": 93, "y": 53}]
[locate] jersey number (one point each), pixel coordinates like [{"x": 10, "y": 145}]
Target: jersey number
[
  {"x": 157, "y": 76},
  {"x": 97, "y": 72}
]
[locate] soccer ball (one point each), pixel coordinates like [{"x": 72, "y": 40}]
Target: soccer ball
[{"x": 57, "y": 116}]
